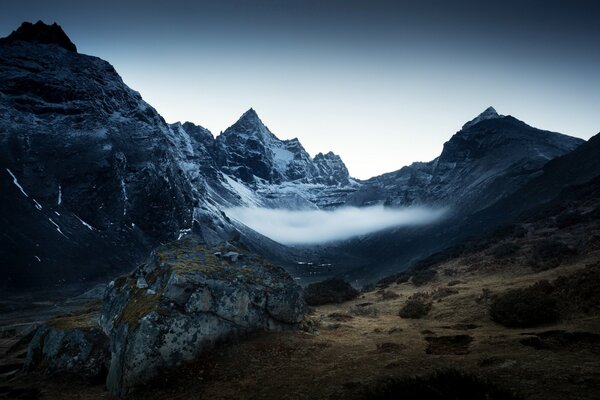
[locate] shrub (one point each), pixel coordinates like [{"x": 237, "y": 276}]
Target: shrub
[
  {"x": 332, "y": 290},
  {"x": 522, "y": 308},
  {"x": 420, "y": 278},
  {"x": 417, "y": 306}
]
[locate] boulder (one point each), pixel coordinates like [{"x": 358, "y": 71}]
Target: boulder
[
  {"x": 74, "y": 345},
  {"x": 194, "y": 300}
]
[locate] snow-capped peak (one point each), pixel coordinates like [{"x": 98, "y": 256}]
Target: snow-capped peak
[
  {"x": 489, "y": 113},
  {"x": 250, "y": 117}
]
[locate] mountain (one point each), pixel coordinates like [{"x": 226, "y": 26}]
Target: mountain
[
  {"x": 88, "y": 166},
  {"x": 93, "y": 177},
  {"x": 557, "y": 179},
  {"x": 553, "y": 190},
  {"x": 280, "y": 173},
  {"x": 490, "y": 157}
]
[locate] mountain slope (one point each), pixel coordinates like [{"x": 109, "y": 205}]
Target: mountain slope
[
  {"x": 551, "y": 185},
  {"x": 83, "y": 145},
  {"x": 93, "y": 177},
  {"x": 489, "y": 158}
]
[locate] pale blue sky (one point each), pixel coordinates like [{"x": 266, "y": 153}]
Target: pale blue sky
[{"x": 381, "y": 83}]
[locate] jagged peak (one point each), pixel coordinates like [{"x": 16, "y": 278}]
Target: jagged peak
[
  {"x": 330, "y": 155},
  {"x": 197, "y": 130},
  {"x": 250, "y": 115},
  {"x": 249, "y": 124},
  {"x": 40, "y": 32},
  {"x": 488, "y": 113}
]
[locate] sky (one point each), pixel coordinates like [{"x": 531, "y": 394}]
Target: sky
[{"x": 381, "y": 83}]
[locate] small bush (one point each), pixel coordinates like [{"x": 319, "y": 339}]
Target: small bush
[
  {"x": 528, "y": 307},
  {"x": 332, "y": 290},
  {"x": 417, "y": 306},
  {"x": 420, "y": 278}
]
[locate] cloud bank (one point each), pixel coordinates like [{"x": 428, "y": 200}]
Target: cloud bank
[{"x": 319, "y": 226}]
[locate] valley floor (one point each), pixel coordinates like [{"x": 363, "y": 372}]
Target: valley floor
[{"x": 363, "y": 341}]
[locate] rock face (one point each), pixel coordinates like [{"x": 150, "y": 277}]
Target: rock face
[
  {"x": 72, "y": 345},
  {"x": 86, "y": 165},
  {"x": 193, "y": 297},
  {"x": 491, "y": 157},
  {"x": 332, "y": 169},
  {"x": 249, "y": 151},
  {"x": 40, "y": 33},
  {"x": 488, "y": 113}
]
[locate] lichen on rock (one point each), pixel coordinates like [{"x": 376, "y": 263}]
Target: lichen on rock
[
  {"x": 74, "y": 345},
  {"x": 194, "y": 299}
]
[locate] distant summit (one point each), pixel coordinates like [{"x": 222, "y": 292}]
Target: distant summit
[
  {"x": 40, "y": 33},
  {"x": 489, "y": 113}
]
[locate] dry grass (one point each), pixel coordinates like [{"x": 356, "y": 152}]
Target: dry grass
[
  {"x": 354, "y": 352},
  {"x": 140, "y": 305}
]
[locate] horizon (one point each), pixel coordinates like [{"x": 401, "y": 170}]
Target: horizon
[{"x": 332, "y": 74}]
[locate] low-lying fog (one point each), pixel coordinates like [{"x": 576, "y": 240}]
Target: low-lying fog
[{"x": 319, "y": 226}]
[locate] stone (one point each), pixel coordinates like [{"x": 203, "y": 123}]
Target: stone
[
  {"x": 198, "y": 300},
  {"x": 232, "y": 256},
  {"x": 72, "y": 345},
  {"x": 141, "y": 283}
]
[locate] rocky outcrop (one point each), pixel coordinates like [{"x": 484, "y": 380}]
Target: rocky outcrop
[
  {"x": 332, "y": 169},
  {"x": 40, "y": 33},
  {"x": 186, "y": 298},
  {"x": 72, "y": 345},
  {"x": 249, "y": 151}
]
